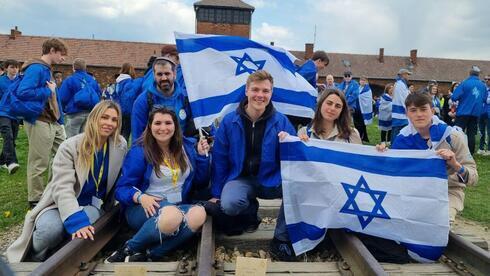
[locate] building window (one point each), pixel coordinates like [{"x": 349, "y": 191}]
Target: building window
[{"x": 228, "y": 16}]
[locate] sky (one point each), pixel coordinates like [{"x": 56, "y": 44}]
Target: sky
[{"x": 437, "y": 28}]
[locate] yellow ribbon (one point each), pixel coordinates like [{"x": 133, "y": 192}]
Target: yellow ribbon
[
  {"x": 101, "y": 171},
  {"x": 174, "y": 171}
]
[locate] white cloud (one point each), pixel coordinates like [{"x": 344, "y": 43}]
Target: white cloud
[{"x": 266, "y": 33}]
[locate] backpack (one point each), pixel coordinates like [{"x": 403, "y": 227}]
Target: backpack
[
  {"x": 19, "y": 108},
  {"x": 86, "y": 98}
]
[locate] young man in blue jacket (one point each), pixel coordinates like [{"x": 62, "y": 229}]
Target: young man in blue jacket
[
  {"x": 75, "y": 98},
  {"x": 44, "y": 129},
  {"x": 245, "y": 161},
  {"x": 470, "y": 95},
  {"x": 9, "y": 126},
  {"x": 162, "y": 92}
]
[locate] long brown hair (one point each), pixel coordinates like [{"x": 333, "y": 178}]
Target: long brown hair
[
  {"x": 127, "y": 68},
  {"x": 342, "y": 122},
  {"x": 153, "y": 152}
]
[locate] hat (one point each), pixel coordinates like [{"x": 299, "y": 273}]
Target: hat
[
  {"x": 348, "y": 73},
  {"x": 475, "y": 70},
  {"x": 432, "y": 82},
  {"x": 404, "y": 71}
]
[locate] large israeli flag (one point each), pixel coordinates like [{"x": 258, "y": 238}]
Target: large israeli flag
[
  {"x": 216, "y": 68},
  {"x": 400, "y": 195}
]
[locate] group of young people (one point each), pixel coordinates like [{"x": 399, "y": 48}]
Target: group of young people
[{"x": 154, "y": 182}]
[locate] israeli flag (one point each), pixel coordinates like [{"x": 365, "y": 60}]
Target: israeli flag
[
  {"x": 216, "y": 68},
  {"x": 366, "y": 103},
  {"x": 401, "y": 195}
]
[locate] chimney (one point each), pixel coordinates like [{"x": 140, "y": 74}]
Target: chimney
[
  {"x": 381, "y": 56},
  {"x": 14, "y": 33},
  {"x": 272, "y": 43},
  {"x": 413, "y": 56},
  {"x": 308, "y": 50}
]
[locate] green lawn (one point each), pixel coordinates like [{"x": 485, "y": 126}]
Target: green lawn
[{"x": 13, "y": 199}]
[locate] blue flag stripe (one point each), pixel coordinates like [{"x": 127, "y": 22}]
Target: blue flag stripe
[
  {"x": 301, "y": 230},
  {"x": 384, "y": 123},
  {"x": 213, "y": 105},
  {"x": 230, "y": 43},
  {"x": 398, "y": 109},
  {"x": 425, "y": 251},
  {"x": 382, "y": 165}
]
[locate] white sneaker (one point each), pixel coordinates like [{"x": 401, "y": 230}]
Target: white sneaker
[
  {"x": 480, "y": 152},
  {"x": 12, "y": 168},
  {"x": 4, "y": 166},
  {"x": 486, "y": 153}
]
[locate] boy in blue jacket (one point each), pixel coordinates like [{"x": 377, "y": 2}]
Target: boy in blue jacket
[
  {"x": 245, "y": 161},
  {"x": 44, "y": 129}
]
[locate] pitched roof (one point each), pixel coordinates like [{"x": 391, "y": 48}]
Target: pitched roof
[
  {"x": 425, "y": 69},
  {"x": 96, "y": 52},
  {"x": 224, "y": 3}
]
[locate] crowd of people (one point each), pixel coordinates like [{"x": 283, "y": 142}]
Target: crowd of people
[{"x": 172, "y": 176}]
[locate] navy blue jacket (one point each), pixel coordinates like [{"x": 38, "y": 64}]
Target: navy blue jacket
[
  {"x": 136, "y": 173},
  {"x": 308, "y": 71},
  {"x": 229, "y": 151},
  {"x": 470, "y": 95},
  {"x": 71, "y": 86}
]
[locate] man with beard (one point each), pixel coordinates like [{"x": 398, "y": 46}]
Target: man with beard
[{"x": 163, "y": 92}]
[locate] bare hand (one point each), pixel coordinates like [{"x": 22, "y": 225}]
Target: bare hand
[
  {"x": 51, "y": 85},
  {"x": 303, "y": 137},
  {"x": 150, "y": 204},
  {"x": 450, "y": 158},
  {"x": 213, "y": 200},
  {"x": 381, "y": 147},
  {"x": 203, "y": 146},
  {"x": 84, "y": 233},
  {"x": 282, "y": 135}
]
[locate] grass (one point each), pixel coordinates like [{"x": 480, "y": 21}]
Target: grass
[{"x": 13, "y": 198}]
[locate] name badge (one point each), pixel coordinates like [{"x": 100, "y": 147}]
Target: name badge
[
  {"x": 174, "y": 197},
  {"x": 97, "y": 202}
]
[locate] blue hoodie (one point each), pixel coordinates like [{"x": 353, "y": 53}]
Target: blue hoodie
[
  {"x": 136, "y": 172},
  {"x": 471, "y": 95},
  {"x": 5, "y": 82},
  {"x": 176, "y": 102},
  {"x": 308, "y": 71},
  {"x": 351, "y": 93},
  {"x": 71, "y": 86},
  {"x": 229, "y": 151}
]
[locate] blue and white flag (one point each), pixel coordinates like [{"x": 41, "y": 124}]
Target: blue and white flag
[
  {"x": 366, "y": 103},
  {"x": 439, "y": 131},
  {"x": 384, "y": 116},
  {"x": 216, "y": 68},
  {"x": 401, "y": 195}
]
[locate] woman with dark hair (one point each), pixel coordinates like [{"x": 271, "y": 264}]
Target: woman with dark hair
[
  {"x": 84, "y": 171},
  {"x": 332, "y": 120},
  {"x": 158, "y": 175},
  {"x": 448, "y": 109}
]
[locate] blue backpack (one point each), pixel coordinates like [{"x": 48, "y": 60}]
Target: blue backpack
[
  {"x": 86, "y": 98},
  {"x": 19, "y": 108}
]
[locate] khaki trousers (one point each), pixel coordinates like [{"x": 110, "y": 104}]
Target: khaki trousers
[{"x": 44, "y": 140}]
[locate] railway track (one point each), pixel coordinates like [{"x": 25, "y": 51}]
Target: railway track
[{"x": 78, "y": 257}]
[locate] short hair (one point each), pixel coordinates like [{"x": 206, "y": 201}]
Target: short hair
[
  {"x": 418, "y": 99},
  {"x": 321, "y": 55},
  {"x": 57, "y": 72},
  {"x": 364, "y": 77},
  {"x": 79, "y": 64},
  {"x": 169, "y": 50},
  {"x": 9, "y": 62},
  {"x": 260, "y": 75},
  {"x": 163, "y": 61},
  {"x": 57, "y": 44}
]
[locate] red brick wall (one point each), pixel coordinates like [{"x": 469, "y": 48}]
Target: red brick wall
[{"x": 223, "y": 29}]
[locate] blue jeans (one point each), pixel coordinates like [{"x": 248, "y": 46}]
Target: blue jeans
[
  {"x": 483, "y": 124},
  {"x": 237, "y": 194},
  {"x": 148, "y": 235}
]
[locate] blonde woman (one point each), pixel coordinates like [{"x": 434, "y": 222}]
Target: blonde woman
[{"x": 85, "y": 169}]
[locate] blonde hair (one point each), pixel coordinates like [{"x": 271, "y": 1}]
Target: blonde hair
[{"x": 91, "y": 140}]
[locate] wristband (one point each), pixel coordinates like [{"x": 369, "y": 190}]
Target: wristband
[
  {"x": 461, "y": 171},
  {"x": 138, "y": 198}
]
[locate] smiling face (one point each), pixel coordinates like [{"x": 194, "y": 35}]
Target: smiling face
[
  {"x": 259, "y": 95},
  {"x": 162, "y": 128},
  {"x": 108, "y": 122},
  {"x": 331, "y": 108}
]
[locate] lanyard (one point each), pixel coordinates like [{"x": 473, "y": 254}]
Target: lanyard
[
  {"x": 174, "y": 171},
  {"x": 101, "y": 171}
]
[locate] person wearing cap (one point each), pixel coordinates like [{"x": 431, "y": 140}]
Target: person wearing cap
[
  {"x": 162, "y": 92},
  {"x": 470, "y": 95},
  {"x": 484, "y": 123},
  {"x": 350, "y": 88},
  {"x": 400, "y": 93}
]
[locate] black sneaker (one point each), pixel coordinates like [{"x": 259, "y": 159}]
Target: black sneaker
[
  {"x": 282, "y": 251},
  {"x": 120, "y": 255},
  {"x": 253, "y": 226},
  {"x": 136, "y": 257}
]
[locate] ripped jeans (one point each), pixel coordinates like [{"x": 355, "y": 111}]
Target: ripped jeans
[{"x": 148, "y": 235}]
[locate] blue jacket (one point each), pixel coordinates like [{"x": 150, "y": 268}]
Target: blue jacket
[
  {"x": 33, "y": 89},
  {"x": 136, "y": 173},
  {"x": 470, "y": 94},
  {"x": 229, "y": 151},
  {"x": 308, "y": 71},
  {"x": 487, "y": 102},
  {"x": 177, "y": 102},
  {"x": 126, "y": 93},
  {"x": 351, "y": 93},
  {"x": 5, "y": 82},
  {"x": 71, "y": 86}
]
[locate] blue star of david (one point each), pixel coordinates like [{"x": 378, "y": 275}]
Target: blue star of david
[
  {"x": 351, "y": 207},
  {"x": 242, "y": 68}
]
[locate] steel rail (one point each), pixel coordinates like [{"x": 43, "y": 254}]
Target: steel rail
[
  {"x": 206, "y": 250},
  {"x": 475, "y": 259}
]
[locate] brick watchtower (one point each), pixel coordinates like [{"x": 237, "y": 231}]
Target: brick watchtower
[{"x": 224, "y": 17}]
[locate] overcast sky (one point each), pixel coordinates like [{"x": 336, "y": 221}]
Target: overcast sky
[{"x": 437, "y": 28}]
